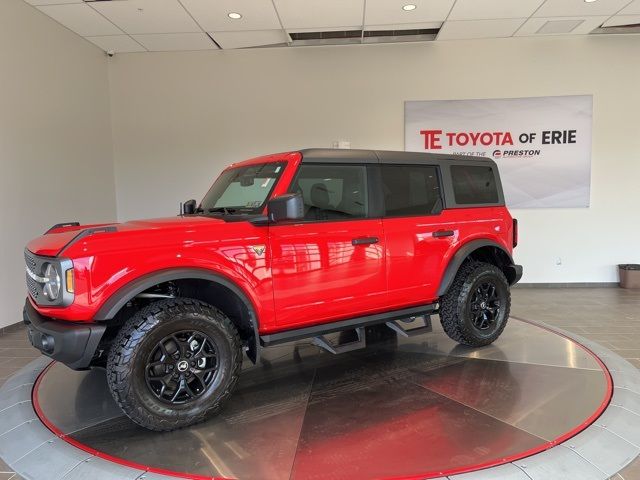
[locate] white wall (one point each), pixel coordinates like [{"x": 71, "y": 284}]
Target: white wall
[
  {"x": 55, "y": 138},
  {"x": 178, "y": 118}
]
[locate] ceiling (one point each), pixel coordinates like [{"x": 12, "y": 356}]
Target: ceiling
[{"x": 162, "y": 25}]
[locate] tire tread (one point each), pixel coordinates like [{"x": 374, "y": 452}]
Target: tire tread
[{"x": 132, "y": 333}]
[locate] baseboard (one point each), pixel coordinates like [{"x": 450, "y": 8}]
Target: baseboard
[{"x": 569, "y": 285}]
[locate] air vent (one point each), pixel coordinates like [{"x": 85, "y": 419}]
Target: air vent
[
  {"x": 556, "y": 27},
  {"x": 326, "y": 35},
  {"x": 343, "y": 37}
]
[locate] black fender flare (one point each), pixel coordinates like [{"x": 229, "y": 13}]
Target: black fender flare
[
  {"x": 460, "y": 256},
  {"x": 119, "y": 299}
]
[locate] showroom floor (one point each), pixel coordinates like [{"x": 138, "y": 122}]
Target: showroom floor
[{"x": 607, "y": 316}]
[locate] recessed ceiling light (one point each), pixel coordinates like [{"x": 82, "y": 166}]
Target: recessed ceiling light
[
  {"x": 409, "y": 7},
  {"x": 589, "y": 1},
  {"x": 235, "y": 16}
]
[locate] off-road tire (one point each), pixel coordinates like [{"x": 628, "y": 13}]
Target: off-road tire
[
  {"x": 127, "y": 362},
  {"x": 455, "y": 304}
]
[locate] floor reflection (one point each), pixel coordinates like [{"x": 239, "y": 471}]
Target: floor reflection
[{"x": 402, "y": 406}]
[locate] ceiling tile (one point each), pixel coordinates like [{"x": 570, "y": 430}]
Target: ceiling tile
[
  {"x": 52, "y": 2},
  {"x": 621, "y": 20},
  {"x": 380, "y": 12},
  {"x": 244, "y": 39},
  {"x": 488, "y": 9},
  {"x": 320, "y": 14},
  {"x": 579, "y": 8},
  {"x": 117, "y": 43},
  {"x": 534, "y": 24},
  {"x": 165, "y": 42},
  {"x": 214, "y": 15},
  {"x": 465, "y": 29},
  {"x": 632, "y": 9},
  {"x": 148, "y": 16},
  {"x": 404, "y": 26},
  {"x": 80, "y": 18}
]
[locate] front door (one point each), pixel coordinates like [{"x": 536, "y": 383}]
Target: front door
[{"x": 331, "y": 265}]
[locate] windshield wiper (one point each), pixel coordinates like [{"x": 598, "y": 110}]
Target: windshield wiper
[{"x": 223, "y": 210}]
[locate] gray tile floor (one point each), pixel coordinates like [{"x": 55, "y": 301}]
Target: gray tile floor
[{"x": 608, "y": 316}]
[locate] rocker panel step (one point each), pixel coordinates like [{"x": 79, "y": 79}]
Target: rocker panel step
[
  {"x": 411, "y": 332},
  {"x": 361, "y": 342}
]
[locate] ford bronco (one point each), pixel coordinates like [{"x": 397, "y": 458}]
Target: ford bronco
[{"x": 282, "y": 247}]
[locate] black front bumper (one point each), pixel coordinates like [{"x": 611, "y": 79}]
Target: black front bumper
[{"x": 73, "y": 344}]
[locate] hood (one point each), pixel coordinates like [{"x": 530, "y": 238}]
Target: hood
[{"x": 56, "y": 240}]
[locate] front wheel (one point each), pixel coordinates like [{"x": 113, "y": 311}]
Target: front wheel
[
  {"x": 475, "y": 310},
  {"x": 173, "y": 363}
]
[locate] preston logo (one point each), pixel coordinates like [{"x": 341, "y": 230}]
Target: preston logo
[{"x": 258, "y": 249}]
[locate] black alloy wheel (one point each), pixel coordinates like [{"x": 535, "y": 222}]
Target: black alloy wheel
[
  {"x": 182, "y": 366},
  {"x": 485, "y": 305}
]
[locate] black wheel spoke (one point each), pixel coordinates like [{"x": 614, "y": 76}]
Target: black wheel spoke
[
  {"x": 181, "y": 366},
  {"x": 484, "y": 306}
]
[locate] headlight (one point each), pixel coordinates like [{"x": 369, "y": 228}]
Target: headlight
[{"x": 52, "y": 287}]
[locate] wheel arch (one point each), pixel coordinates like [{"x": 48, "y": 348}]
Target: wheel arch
[
  {"x": 201, "y": 284},
  {"x": 482, "y": 250}
]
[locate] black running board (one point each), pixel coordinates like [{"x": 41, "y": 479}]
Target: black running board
[{"x": 350, "y": 324}]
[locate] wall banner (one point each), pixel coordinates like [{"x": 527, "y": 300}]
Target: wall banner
[{"x": 542, "y": 145}]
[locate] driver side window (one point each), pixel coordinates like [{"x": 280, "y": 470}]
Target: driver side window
[{"x": 332, "y": 192}]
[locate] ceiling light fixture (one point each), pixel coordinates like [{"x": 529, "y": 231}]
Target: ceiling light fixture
[
  {"x": 409, "y": 7},
  {"x": 589, "y": 1},
  {"x": 235, "y": 16}
]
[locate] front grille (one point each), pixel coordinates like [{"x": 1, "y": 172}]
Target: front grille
[
  {"x": 33, "y": 286},
  {"x": 30, "y": 261}
]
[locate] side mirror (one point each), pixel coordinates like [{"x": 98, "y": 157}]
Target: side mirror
[
  {"x": 189, "y": 207},
  {"x": 286, "y": 207}
]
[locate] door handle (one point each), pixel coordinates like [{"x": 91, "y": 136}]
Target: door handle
[
  {"x": 364, "y": 240},
  {"x": 443, "y": 233}
]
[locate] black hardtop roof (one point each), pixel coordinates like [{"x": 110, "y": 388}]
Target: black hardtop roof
[{"x": 339, "y": 155}]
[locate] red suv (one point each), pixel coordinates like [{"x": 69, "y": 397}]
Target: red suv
[{"x": 282, "y": 247}]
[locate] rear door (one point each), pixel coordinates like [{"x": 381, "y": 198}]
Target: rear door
[
  {"x": 331, "y": 265},
  {"x": 417, "y": 234}
]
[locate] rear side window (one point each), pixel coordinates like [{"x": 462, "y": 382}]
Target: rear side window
[
  {"x": 410, "y": 190},
  {"x": 332, "y": 192},
  {"x": 474, "y": 184}
]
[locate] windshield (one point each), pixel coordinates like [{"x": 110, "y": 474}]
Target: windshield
[{"x": 242, "y": 189}]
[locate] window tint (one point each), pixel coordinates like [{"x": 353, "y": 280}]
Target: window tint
[
  {"x": 410, "y": 190},
  {"x": 332, "y": 192},
  {"x": 474, "y": 184}
]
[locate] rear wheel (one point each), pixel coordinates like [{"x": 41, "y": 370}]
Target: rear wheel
[
  {"x": 476, "y": 308},
  {"x": 173, "y": 363}
]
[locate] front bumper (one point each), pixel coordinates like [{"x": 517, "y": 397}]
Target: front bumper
[{"x": 70, "y": 343}]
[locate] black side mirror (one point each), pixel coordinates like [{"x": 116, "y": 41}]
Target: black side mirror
[
  {"x": 189, "y": 207},
  {"x": 286, "y": 207}
]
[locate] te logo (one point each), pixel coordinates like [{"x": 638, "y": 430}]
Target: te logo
[
  {"x": 497, "y": 153},
  {"x": 258, "y": 249}
]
